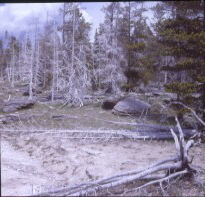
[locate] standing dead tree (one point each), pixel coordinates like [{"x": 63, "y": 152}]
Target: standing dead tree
[{"x": 170, "y": 168}]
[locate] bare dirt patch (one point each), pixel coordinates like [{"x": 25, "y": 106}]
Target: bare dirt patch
[{"x": 35, "y": 163}]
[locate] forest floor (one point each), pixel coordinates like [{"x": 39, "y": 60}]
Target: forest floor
[{"x": 34, "y": 162}]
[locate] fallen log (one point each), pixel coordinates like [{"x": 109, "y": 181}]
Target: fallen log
[
  {"x": 172, "y": 167},
  {"x": 14, "y": 105},
  {"x": 97, "y": 134},
  {"x": 154, "y": 129},
  {"x": 141, "y": 133}
]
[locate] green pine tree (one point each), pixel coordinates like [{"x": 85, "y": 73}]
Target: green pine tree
[{"x": 182, "y": 35}]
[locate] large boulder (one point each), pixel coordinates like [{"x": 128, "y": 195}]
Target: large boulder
[
  {"x": 130, "y": 106},
  {"x": 15, "y": 105}
]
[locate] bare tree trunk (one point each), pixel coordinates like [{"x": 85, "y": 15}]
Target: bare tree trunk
[
  {"x": 128, "y": 80},
  {"x": 12, "y": 66},
  {"x": 54, "y": 62},
  {"x": 57, "y": 67},
  {"x": 31, "y": 81},
  {"x": 72, "y": 56},
  {"x": 37, "y": 66},
  {"x": 73, "y": 41},
  {"x": 31, "y": 75},
  {"x": 63, "y": 34},
  {"x": 36, "y": 49}
]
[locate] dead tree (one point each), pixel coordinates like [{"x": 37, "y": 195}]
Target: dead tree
[{"x": 170, "y": 168}]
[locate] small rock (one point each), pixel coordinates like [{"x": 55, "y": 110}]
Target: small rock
[
  {"x": 26, "y": 94},
  {"x": 167, "y": 101},
  {"x": 15, "y": 105},
  {"x": 38, "y": 92},
  {"x": 110, "y": 103},
  {"x": 7, "y": 119}
]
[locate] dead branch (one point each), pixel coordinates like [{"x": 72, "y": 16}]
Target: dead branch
[
  {"x": 193, "y": 112},
  {"x": 151, "y": 127},
  {"x": 176, "y": 141},
  {"x": 140, "y": 125},
  {"x": 88, "y": 134},
  {"x": 183, "y": 146},
  {"x": 172, "y": 167},
  {"x": 160, "y": 180}
]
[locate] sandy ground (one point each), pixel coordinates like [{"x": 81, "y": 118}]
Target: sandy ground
[{"x": 35, "y": 163}]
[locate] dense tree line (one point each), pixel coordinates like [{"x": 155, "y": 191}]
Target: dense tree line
[
  {"x": 181, "y": 32},
  {"x": 126, "y": 53}
]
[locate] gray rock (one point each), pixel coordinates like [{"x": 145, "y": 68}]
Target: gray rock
[
  {"x": 15, "y": 105},
  {"x": 130, "y": 106},
  {"x": 26, "y": 93},
  {"x": 10, "y": 118},
  {"x": 167, "y": 100},
  {"x": 35, "y": 91},
  {"x": 7, "y": 119}
]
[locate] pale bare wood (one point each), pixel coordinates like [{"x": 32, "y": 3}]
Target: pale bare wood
[
  {"x": 193, "y": 112},
  {"x": 176, "y": 141},
  {"x": 186, "y": 149},
  {"x": 177, "y": 163},
  {"x": 130, "y": 179},
  {"x": 114, "y": 178},
  {"x": 181, "y": 140},
  {"x": 160, "y": 180}
]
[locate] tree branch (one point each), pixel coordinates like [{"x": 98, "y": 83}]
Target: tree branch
[
  {"x": 193, "y": 112},
  {"x": 160, "y": 180}
]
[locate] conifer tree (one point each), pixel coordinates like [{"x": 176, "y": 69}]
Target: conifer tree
[
  {"x": 183, "y": 37},
  {"x": 134, "y": 35}
]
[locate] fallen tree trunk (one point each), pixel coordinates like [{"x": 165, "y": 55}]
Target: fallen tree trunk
[
  {"x": 98, "y": 134},
  {"x": 153, "y": 127},
  {"x": 172, "y": 167}
]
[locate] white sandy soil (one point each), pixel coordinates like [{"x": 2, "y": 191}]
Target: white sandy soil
[{"x": 36, "y": 163}]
